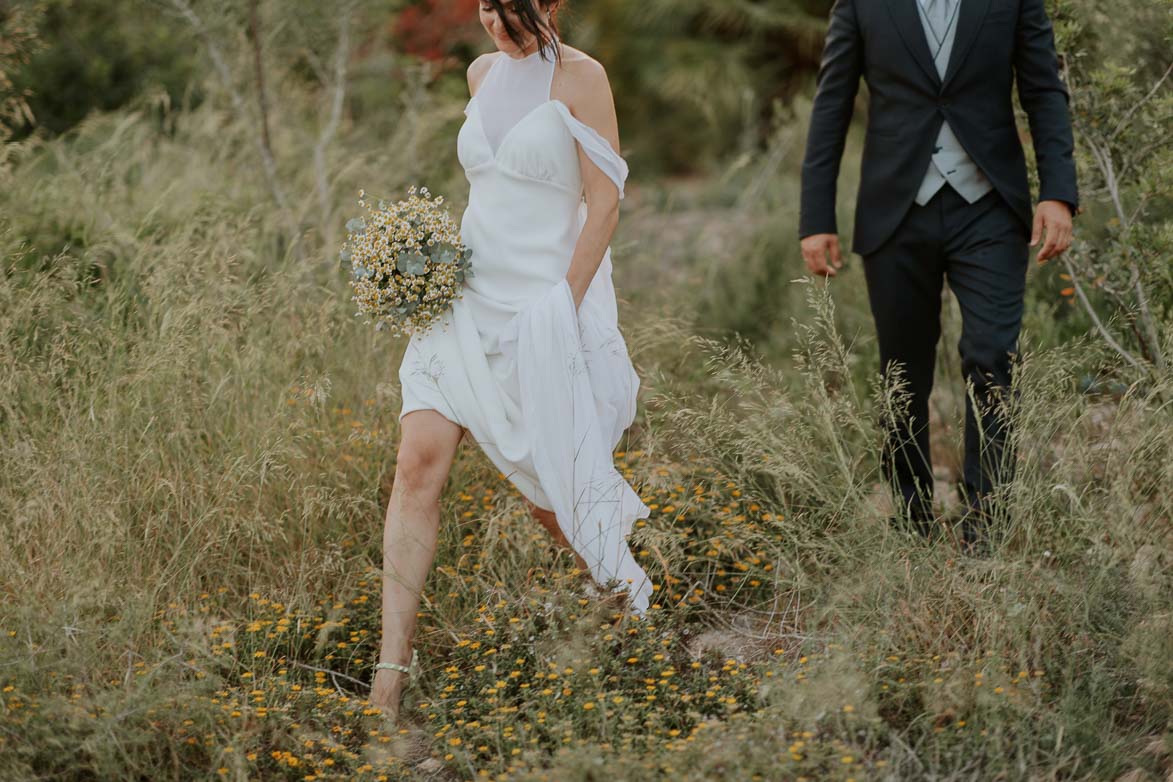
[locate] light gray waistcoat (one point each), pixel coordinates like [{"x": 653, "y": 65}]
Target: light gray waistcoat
[{"x": 949, "y": 163}]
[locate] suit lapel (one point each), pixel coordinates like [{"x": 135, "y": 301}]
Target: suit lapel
[
  {"x": 907, "y": 19},
  {"x": 970, "y": 17}
]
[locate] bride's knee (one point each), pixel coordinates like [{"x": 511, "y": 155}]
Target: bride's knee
[
  {"x": 425, "y": 455},
  {"x": 420, "y": 472}
]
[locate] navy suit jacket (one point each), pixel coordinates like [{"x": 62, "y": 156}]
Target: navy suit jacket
[{"x": 999, "y": 43}]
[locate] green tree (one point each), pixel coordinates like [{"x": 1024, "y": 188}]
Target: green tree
[
  {"x": 100, "y": 55},
  {"x": 18, "y": 41},
  {"x": 1120, "y": 272}
]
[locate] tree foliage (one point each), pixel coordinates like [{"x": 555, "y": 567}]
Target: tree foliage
[
  {"x": 688, "y": 76},
  {"x": 100, "y": 55},
  {"x": 1121, "y": 79},
  {"x": 18, "y": 41}
]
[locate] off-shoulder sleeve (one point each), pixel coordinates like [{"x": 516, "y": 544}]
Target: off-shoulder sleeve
[{"x": 598, "y": 149}]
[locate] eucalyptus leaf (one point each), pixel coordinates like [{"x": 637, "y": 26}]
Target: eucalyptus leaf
[
  {"x": 356, "y": 225},
  {"x": 444, "y": 253},
  {"x": 417, "y": 265},
  {"x": 411, "y": 263}
]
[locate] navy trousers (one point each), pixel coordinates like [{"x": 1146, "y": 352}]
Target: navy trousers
[{"x": 982, "y": 250}]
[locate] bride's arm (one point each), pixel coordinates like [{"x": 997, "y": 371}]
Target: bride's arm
[{"x": 590, "y": 100}]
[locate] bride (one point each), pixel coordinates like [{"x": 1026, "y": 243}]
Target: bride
[{"x": 530, "y": 362}]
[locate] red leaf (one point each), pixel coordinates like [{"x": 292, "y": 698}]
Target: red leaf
[{"x": 431, "y": 29}]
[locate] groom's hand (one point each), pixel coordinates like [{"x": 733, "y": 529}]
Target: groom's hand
[
  {"x": 815, "y": 251},
  {"x": 1055, "y": 218}
]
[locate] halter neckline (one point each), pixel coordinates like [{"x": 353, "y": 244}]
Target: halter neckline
[{"x": 551, "y": 48}]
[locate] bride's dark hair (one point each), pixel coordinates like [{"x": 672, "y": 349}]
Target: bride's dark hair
[{"x": 533, "y": 20}]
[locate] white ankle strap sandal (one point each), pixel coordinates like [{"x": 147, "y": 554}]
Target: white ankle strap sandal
[{"x": 397, "y": 666}]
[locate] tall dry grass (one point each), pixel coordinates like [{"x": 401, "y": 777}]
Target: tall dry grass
[{"x": 198, "y": 440}]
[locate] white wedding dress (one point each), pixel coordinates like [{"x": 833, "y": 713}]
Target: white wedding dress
[{"x": 546, "y": 392}]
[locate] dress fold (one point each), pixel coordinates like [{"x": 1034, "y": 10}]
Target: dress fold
[{"x": 571, "y": 447}]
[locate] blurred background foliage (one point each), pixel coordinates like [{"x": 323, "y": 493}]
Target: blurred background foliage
[
  {"x": 693, "y": 79},
  {"x": 98, "y": 56},
  {"x": 706, "y": 90}
]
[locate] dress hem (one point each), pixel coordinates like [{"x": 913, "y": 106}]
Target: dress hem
[{"x": 422, "y": 409}]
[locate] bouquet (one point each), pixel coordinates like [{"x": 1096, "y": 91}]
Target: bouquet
[{"x": 407, "y": 262}]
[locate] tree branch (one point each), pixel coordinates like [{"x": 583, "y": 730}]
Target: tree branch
[
  {"x": 1140, "y": 103},
  {"x": 254, "y": 29},
  {"x": 341, "y": 57},
  {"x": 1103, "y": 158},
  {"x": 268, "y": 163},
  {"x": 1099, "y": 324}
]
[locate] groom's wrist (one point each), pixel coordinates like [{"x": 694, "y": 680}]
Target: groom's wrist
[
  {"x": 812, "y": 228},
  {"x": 1071, "y": 208},
  {"x": 1064, "y": 197}
]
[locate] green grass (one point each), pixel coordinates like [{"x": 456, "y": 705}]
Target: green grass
[{"x": 198, "y": 441}]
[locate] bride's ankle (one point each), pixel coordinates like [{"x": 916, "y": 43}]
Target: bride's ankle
[{"x": 396, "y": 654}]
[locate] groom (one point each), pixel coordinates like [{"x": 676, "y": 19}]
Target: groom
[{"x": 943, "y": 195}]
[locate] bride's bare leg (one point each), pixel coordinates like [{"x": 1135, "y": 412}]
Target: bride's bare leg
[
  {"x": 548, "y": 520},
  {"x": 426, "y": 451}
]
